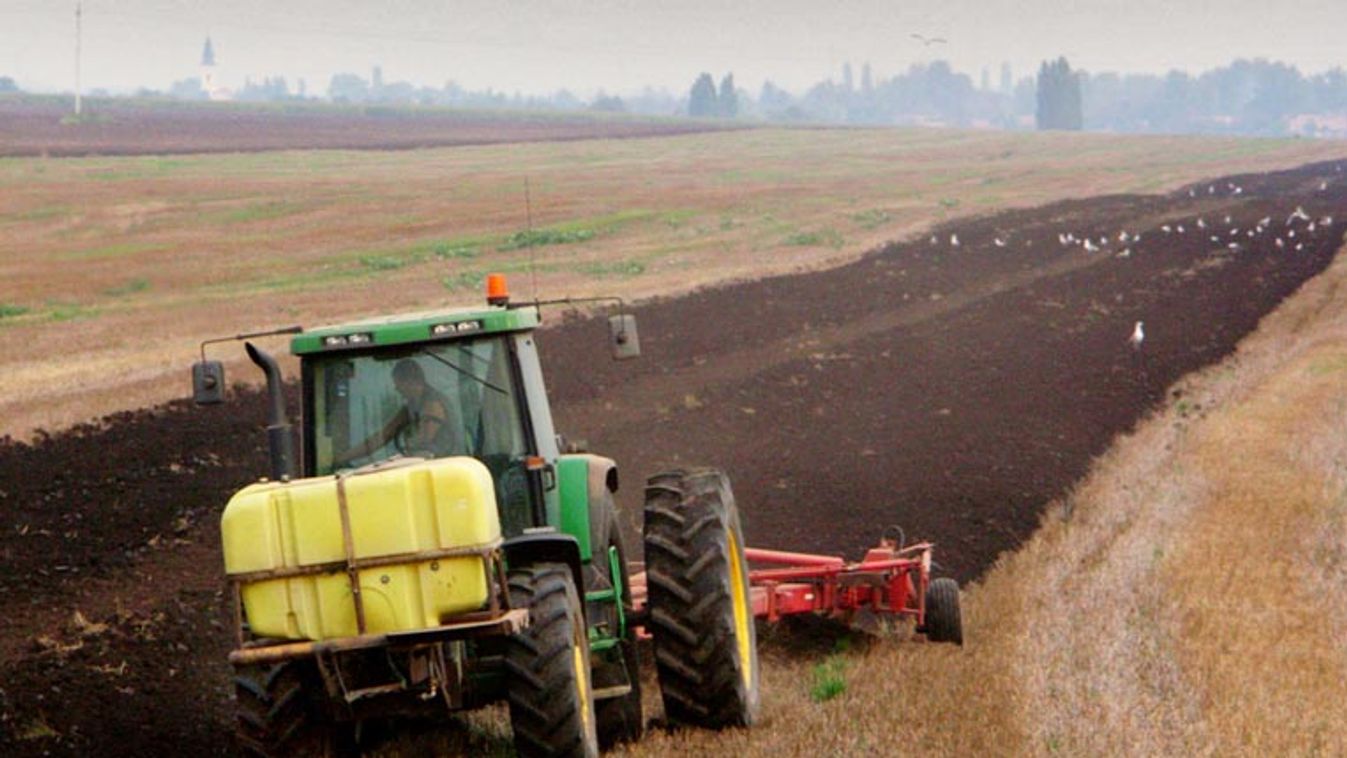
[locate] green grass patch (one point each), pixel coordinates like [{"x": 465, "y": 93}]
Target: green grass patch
[
  {"x": 542, "y": 237},
  {"x": 260, "y": 212},
  {"x": 829, "y": 679},
  {"x": 70, "y": 312},
  {"x": 9, "y": 310},
  {"x": 131, "y": 287},
  {"x": 464, "y": 280},
  {"x": 383, "y": 262},
  {"x": 119, "y": 250},
  {"x": 872, "y": 218},
  {"x": 828, "y": 237},
  {"x": 446, "y": 251}
]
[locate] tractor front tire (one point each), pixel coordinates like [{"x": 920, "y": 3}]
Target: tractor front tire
[
  {"x": 701, "y": 610},
  {"x": 547, "y": 666},
  {"x": 278, "y": 713},
  {"x": 944, "y": 621}
]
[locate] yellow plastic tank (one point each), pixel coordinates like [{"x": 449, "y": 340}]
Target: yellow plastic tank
[{"x": 401, "y": 509}]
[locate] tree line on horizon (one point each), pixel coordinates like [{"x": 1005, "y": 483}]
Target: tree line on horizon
[{"x": 1253, "y": 97}]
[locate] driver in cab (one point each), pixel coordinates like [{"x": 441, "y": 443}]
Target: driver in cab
[{"x": 421, "y": 427}]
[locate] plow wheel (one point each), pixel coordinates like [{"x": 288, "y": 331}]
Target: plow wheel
[
  {"x": 701, "y": 614},
  {"x": 944, "y": 622},
  {"x": 278, "y": 714},
  {"x": 618, "y": 719},
  {"x": 547, "y": 666}
]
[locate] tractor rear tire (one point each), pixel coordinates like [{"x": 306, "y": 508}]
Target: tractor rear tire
[
  {"x": 944, "y": 622},
  {"x": 547, "y": 666},
  {"x": 701, "y": 609},
  {"x": 618, "y": 719},
  {"x": 279, "y": 713}
]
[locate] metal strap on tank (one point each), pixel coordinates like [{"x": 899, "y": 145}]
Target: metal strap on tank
[
  {"x": 483, "y": 551},
  {"x": 352, "y": 571}
]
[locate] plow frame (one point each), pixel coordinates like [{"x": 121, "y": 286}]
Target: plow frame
[{"x": 890, "y": 581}]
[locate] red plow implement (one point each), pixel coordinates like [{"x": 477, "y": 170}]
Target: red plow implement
[{"x": 891, "y": 582}]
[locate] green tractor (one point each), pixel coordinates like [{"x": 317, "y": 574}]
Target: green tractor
[{"x": 424, "y": 545}]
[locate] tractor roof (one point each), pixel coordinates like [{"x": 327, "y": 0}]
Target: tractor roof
[{"x": 408, "y": 328}]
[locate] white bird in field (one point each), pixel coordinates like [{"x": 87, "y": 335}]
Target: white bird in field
[
  {"x": 1103, "y": 240},
  {"x": 1300, "y": 246},
  {"x": 1061, "y": 239},
  {"x": 1211, "y": 189},
  {"x": 1280, "y": 244},
  {"x": 1291, "y": 233},
  {"x": 1122, "y": 236},
  {"x": 1312, "y": 226},
  {"x": 934, "y": 241},
  {"x": 1234, "y": 247},
  {"x": 1191, "y": 193},
  {"x": 1201, "y": 223},
  {"x": 1179, "y": 228},
  {"x": 998, "y": 242},
  {"x": 1166, "y": 229},
  {"x": 1250, "y": 232},
  {"x": 1298, "y": 213},
  {"x": 1323, "y": 186},
  {"x": 1215, "y": 238},
  {"x": 1227, "y": 218},
  {"x": 1234, "y": 232},
  {"x": 1089, "y": 247},
  {"x": 954, "y": 240},
  {"x": 1127, "y": 253},
  {"x": 1326, "y": 221},
  {"x": 1138, "y": 336},
  {"x": 1239, "y": 190},
  {"x": 1264, "y": 221}
]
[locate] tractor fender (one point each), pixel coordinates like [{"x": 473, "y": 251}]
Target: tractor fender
[
  {"x": 587, "y": 480},
  {"x": 545, "y": 547}
]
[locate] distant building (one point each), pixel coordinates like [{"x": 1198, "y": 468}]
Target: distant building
[{"x": 211, "y": 87}]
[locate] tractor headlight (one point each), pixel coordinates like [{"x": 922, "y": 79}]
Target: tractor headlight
[{"x": 459, "y": 327}]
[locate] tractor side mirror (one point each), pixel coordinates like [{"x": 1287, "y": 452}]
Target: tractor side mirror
[
  {"x": 622, "y": 337},
  {"x": 208, "y": 383}
]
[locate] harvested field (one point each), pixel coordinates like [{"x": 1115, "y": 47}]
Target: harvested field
[
  {"x": 955, "y": 390},
  {"x": 119, "y": 126}
]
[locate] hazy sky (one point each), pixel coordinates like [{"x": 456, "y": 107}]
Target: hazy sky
[{"x": 621, "y": 45}]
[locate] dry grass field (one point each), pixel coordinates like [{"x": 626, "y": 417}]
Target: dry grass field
[{"x": 112, "y": 269}]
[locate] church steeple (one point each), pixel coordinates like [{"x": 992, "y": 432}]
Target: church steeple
[{"x": 208, "y": 54}]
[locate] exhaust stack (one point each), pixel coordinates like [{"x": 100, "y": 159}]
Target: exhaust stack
[{"x": 280, "y": 434}]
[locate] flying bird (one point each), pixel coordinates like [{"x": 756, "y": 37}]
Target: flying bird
[
  {"x": 928, "y": 41},
  {"x": 1138, "y": 336}
]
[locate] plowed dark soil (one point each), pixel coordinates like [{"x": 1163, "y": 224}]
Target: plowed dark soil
[
  {"x": 32, "y": 126},
  {"x": 953, "y": 391}
]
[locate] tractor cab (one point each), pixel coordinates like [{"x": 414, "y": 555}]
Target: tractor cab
[{"x": 434, "y": 385}]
